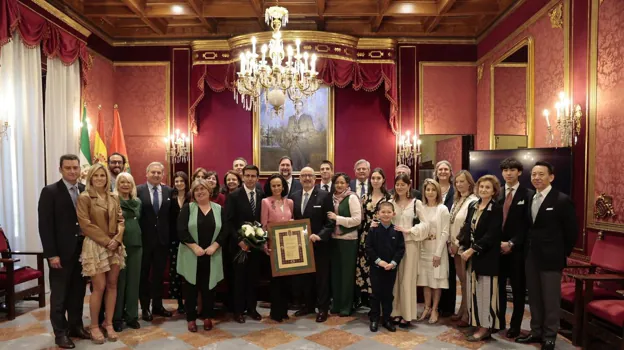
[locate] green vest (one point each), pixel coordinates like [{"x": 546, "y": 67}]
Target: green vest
[
  {"x": 345, "y": 211},
  {"x": 187, "y": 260}
]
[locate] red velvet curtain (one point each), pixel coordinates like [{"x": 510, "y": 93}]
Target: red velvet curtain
[
  {"x": 334, "y": 72},
  {"x": 35, "y": 29}
]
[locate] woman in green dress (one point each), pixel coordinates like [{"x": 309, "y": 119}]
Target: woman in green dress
[{"x": 127, "y": 306}]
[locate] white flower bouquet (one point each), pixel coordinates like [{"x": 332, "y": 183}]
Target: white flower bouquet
[{"x": 254, "y": 237}]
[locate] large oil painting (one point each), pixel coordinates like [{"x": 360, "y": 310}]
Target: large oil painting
[{"x": 305, "y": 132}]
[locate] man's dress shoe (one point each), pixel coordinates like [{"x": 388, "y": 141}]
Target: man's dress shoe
[
  {"x": 374, "y": 326},
  {"x": 134, "y": 324},
  {"x": 254, "y": 315},
  {"x": 64, "y": 342},
  {"x": 79, "y": 333},
  {"x": 529, "y": 339},
  {"x": 513, "y": 333},
  {"x": 147, "y": 316},
  {"x": 239, "y": 318},
  {"x": 548, "y": 345},
  {"x": 321, "y": 317}
]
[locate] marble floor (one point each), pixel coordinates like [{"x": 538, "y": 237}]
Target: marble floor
[{"x": 32, "y": 330}]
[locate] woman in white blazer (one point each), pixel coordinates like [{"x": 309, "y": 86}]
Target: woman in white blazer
[{"x": 433, "y": 268}]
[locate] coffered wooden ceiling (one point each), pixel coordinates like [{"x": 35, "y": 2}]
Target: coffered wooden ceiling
[{"x": 204, "y": 19}]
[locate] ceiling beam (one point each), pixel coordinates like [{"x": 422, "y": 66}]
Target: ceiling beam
[
  {"x": 383, "y": 7},
  {"x": 320, "y": 23},
  {"x": 258, "y": 8},
  {"x": 443, "y": 7},
  {"x": 138, "y": 7},
  {"x": 196, "y": 5}
]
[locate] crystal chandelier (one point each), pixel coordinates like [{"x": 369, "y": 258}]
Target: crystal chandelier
[
  {"x": 568, "y": 121},
  {"x": 296, "y": 77},
  {"x": 177, "y": 147},
  {"x": 409, "y": 149}
]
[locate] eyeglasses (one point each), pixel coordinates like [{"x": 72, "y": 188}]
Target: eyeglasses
[
  {"x": 306, "y": 175},
  {"x": 115, "y": 162}
]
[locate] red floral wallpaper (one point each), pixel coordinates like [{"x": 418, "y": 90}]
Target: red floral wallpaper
[
  {"x": 483, "y": 111},
  {"x": 449, "y": 96},
  {"x": 451, "y": 150},
  {"x": 549, "y": 69},
  {"x": 609, "y": 122},
  {"x": 510, "y": 101},
  {"x": 100, "y": 90},
  {"x": 142, "y": 93}
]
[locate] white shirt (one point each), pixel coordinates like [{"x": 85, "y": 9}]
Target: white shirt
[
  {"x": 358, "y": 188},
  {"x": 544, "y": 192},
  {"x": 303, "y": 198},
  {"x": 151, "y": 192},
  {"x": 248, "y": 191},
  {"x": 289, "y": 181},
  {"x": 514, "y": 188},
  {"x": 329, "y": 186}
]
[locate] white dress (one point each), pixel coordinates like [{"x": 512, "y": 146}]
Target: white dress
[
  {"x": 405, "y": 304},
  {"x": 435, "y": 245}
]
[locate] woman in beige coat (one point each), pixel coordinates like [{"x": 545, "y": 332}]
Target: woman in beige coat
[{"x": 103, "y": 253}]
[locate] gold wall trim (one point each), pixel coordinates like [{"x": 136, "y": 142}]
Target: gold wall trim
[
  {"x": 140, "y": 64},
  {"x": 421, "y": 70},
  {"x": 425, "y": 40},
  {"x": 61, "y": 16},
  {"x": 122, "y": 43},
  {"x": 592, "y": 119},
  {"x": 512, "y": 65},
  {"x": 524, "y": 26},
  {"x": 330, "y": 135},
  {"x": 530, "y": 88},
  {"x": 320, "y": 55},
  {"x": 95, "y": 53}
]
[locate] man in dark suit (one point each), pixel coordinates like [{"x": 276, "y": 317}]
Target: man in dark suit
[
  {"x": 238, "y": 165},
  {"x": 285, "y": 168},
  {"x": 552, "y": 234},
  {"x": 359, "y": 185},
  {"x": 155, "y": 226},
  {"x": 327, "y": 172},
  {"x": 61, "y": 239},
  {"x": 404, "y": 169},
  {"x": 314, "y": 204},
  {"x": 515, "y": 202},
  {"x": 245, "y": 205}
]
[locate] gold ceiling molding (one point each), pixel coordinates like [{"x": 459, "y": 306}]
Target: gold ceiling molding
[
  {"x": 170, "y": 42},
  {"x": 291, "y": 35},
  {"x": 479, "y": 73},
  {"x": 414, "y": 41},
  {"x": 61, "y": 16},
  {"x": 556, "y": 16}
]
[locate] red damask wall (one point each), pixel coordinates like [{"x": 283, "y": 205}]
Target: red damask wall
[
  {"x": 609, "y": 121},
  {"x": 451, "y": 150},
  {"x": 510, "y": 101},
  {"x": 361, "y": 131},
  {"x": 449, "y": 95},
  {"x": 549, "y": 75},
  {"x": 142, "y": 93},
  {"x": 100, "y": 90}
]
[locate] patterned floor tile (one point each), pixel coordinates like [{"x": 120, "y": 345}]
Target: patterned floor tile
[
  {"x": 401, "y": 340},
  {"x": 301, "y": 344},
  {"x": 203, "y": 338},
  {"x": 231, "y": 344},
  {"x": 303, "y": 328},
  {"x": 22, "y": 331},
  {"x": 369, "y": 344},
  {"x": 270, "y": 338},
  {"x": 335, "y": 338},
  {"x": 241, "y": 329},
  {"x": 169, "y": 343},
  {"x": 333, "y": 320},
  {"x": 457, "y": 337},
  {"x": 134, "y": 337}
]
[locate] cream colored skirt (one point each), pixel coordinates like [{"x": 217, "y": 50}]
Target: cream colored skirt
[{"x": 97, "y": 259}]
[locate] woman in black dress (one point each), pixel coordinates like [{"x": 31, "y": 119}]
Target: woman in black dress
[{"x": 179, "y": 197}]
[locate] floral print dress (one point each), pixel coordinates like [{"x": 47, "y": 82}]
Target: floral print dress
[{"x": 362, "y": 268}]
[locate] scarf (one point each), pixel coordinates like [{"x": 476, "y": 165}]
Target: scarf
[{"x": 340, "y": 196}]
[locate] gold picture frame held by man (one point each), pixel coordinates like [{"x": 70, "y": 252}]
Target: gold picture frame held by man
[
  {"x": 305, "y": 132},
  {"x": 292, "y": 253}
]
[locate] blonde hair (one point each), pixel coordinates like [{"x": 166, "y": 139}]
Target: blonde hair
[
  {"x": 493, "y": 180},
  {"x": 95, "y": 167},
  {"x": 130, "y": 179},
  {"x": 437, "y": 187},
  {"x": 438, "y": 164},
  {"x": 469, "y": 180},
  {"x": 198, "y": 183}
]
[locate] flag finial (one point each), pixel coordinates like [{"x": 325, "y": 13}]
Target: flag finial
[
  {"x": 100, "y": 107},
  {"x": 115, "y": 106}
]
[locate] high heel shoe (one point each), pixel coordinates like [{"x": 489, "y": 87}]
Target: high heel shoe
[
  {"x": 96, "y": 335},
  {"x": 487, "y": 335},
  {"x": 111, "y": 335},
  {"x": 433, "y": 319},
  {"x": 426, "y": 313}
]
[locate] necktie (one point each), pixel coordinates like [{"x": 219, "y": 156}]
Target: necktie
[
  {"x": 537, "y": 202},
  {"x": 74, "y": 194},
  {"x": 306, "y": 197},
  {"x": 326, "y": 188},
  {"x": 252, "y": 202},
  {"x": 507, "y": 204},
  {"x": 362, "y": 190},
  {"x": 156, "y": 201}
]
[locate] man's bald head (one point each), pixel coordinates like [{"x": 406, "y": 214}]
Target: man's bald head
[{"x": 307, "y": 178}]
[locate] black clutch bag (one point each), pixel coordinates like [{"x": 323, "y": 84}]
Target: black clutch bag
[{"x": 416, "y": 219}]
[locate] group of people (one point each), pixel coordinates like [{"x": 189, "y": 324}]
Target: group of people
[{"x": 373, "y": 246}]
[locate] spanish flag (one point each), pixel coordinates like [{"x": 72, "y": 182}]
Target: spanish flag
[
  {"x": 118, "y": 143},
  {"x": 99, "y": 143}
]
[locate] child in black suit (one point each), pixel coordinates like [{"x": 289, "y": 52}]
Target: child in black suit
[{"x": 385, "y": 248}]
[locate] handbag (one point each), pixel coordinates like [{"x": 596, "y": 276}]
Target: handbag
[{"x": 416, "y": 219}]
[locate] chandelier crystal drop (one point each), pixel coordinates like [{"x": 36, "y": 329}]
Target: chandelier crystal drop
[{"x": 290, "y": 71}]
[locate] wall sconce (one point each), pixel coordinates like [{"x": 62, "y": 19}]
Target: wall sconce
[
  {"x": 177, "y": 147},
  {"x": 4, "y": 130},
  {"x": 568, "y": 121},
  {"x": 409, "y": 149}
]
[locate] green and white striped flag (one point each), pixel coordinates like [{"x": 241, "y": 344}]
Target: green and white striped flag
[{"x": 85, "y": 146}]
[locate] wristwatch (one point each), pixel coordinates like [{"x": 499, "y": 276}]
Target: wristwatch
[{"x": 511, "y": 244}]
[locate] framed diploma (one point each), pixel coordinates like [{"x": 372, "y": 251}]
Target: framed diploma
[{"x": 291, "y": 250}]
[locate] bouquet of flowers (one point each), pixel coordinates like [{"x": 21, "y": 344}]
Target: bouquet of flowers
[{"x": 254, "y": 237}]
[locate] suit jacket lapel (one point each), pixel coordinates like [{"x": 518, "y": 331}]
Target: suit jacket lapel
[
  {"x": 165, "y": 196},
  {"x": 311, "y": 202},
  {"x": 65, "y": 194},
  {"x": 484, "y": 216},
  {"x": 548, "y": 202},
  {"x": 297, "y": 198},
  {"x": 245, "y": 199}
]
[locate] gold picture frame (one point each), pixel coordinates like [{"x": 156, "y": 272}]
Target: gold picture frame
[
  {"x": 307, "y": 136},
  {"x": 291, "y": 250}
]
